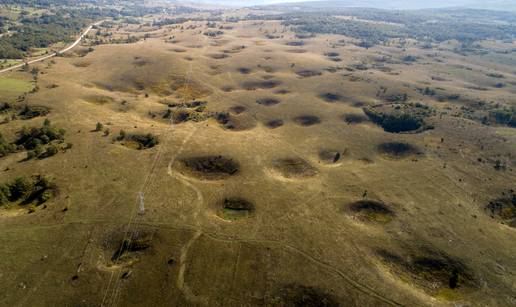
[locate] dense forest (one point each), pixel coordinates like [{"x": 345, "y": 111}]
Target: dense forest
[
  {"x": 59, "y": 24},
  {"x": 424, "y": 25}
]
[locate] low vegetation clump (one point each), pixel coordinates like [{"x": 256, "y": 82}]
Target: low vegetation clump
[
  {"x": 213, "y": 33},
  {"x": 39, "y": 142},
  {"x": 506, "y": 116},
  {"x": 503, "y": 209},
  {"x": 137, "y": 141},
  {"x": 6, "y": 147},
  {"x": 28, "y": 112},
  {"x": 27, "y": 190},
  {"x": 236, "y": 207},
  {"x": 398, "y": 118},
  {"x": 211, "y": 166}
]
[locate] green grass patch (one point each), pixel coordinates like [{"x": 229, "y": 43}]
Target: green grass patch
[{"x": 11, "y": 88}]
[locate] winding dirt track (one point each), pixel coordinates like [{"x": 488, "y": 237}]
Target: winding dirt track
[{"x": 48, "y": 56}]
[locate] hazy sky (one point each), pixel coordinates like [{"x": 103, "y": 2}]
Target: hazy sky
[{"x": 504, "y": 5}]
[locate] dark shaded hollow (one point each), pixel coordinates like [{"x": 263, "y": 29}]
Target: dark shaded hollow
[
  {"x": 370, "y": 206},
  {"x": 219, "y": 56},
  {"x": 267, "y": 101},
  {"x": 503, "y": 208},
  {"x": 212, "y": 165},
  {"x": 274, "y": 123},
  {"x": 330, "y": 97},
  {"x": 253, "y": 85},
  {"x": 432, "y": 269},
  {"x": 238, "y": 204},
  {"x": 244, "y": 70},
  {"x": 307, "y": 120},
  {"x": 397, "y": 149},
  {"x": 330, "y": 156},
  {"x": 308, "y": 73},
  {"x": 354, "y": 118},
  {"x": 294, "y": 167},
  {"x": 294, "y": 295},
  {"x": 295, "y": 43},
  {"x": 238, "y": 109}
]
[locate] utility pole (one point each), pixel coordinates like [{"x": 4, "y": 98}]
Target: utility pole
[{"x": 141, "y": 209}]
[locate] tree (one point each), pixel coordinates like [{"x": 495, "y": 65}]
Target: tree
[
  {"x": 99, "y": 127},
  {"x": 21, "y": 188}
]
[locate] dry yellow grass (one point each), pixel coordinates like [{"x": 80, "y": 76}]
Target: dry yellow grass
[{"x": 302, "y": 236}]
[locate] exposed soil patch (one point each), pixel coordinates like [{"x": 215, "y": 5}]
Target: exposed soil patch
[
  {"x": 308, "y": 73},
  {"x": 397, "y": 118},
  {"x": 267, "y": 101},
  {"x": 397, "y": 150},
  {"x": 433, "y": 271},
  {"x": 211, "y": 167},
  {"x": 267, "y": 84},
  {"x": 331, "y": 97},
  {"x": 307, "y": 120},
  {"x": 294, "y": 168},
  {"x": 330, "y": 156},
  {"x": 236, "y": 207},
  {"x": 503, "y": 209},
  {"x": 295, "y": 295},
  {"x": 274, "y": 123},
  {"x": 238, "y": 109},
  {"x": 371, "y": 211}
]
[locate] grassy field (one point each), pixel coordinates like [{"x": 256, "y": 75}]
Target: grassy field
[
  {"x": 286, "y": 170},
  {"x": 12, "y": 87}
]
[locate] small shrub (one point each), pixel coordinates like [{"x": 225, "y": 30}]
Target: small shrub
[
  {"x": 99, "y": 127},
  {"x": 27, "y": 190},
  {"x": 51, "y": 150}
]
